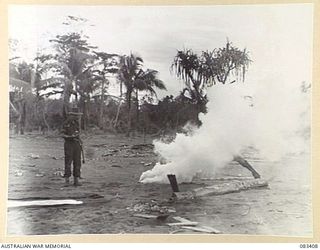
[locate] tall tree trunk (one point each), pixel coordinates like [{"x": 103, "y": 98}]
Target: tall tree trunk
[
  {"x": 129, "y": 112},
  {"x": 22, "y": 116},
  {"x": 87, "y": 111},
  {"x": 82, "y": 107},
  {"x": 137, "y": 106},
  {"x": 115, "y": 123},
  {"x": 74, "y": 87},
  {"x": 121, "y": 93},
  {"x": 44, "y": 111},
  {"x": 66, "y": 99},
  {"x": 101, "y": 125},
  {"x": 85, "y": 115}
]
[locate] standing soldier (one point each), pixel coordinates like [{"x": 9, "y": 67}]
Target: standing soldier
[{"x": 72, "y": 146}]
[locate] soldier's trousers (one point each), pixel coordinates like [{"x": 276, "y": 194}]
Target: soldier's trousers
[{"x": 72, "y": 154}]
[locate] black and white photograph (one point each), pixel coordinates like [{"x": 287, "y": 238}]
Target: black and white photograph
[{"x": 160, "y": 119}]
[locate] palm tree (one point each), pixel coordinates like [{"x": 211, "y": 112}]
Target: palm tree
[
  {"x": 200, "y": 71},
  {"x": 129, "y": 69},
  {"x": 73, "y": 62},
  {"x": 20, "y": 76},
  {"x": 187, "y": 66},
  {"x": 108, "y": 66},
  {"x": 147, "y": 81},
  {"x": 134, "y": 78}
]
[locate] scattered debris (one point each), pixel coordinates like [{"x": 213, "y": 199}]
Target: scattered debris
[
  {"x": 113, "y": 150},
  {"x": 94, "y": 196},
  {"x": 142, "y": 147},
  {"x": 55, "y": 158},
  {"x": 151, "y": 208},
  {"x": 110, "y": 152},
  {"x": 18, "y": 173},
  {"x": 100, "y": 145},
  {"x": 28, "y": 165},
  {"x": 191, "y": 225},
  {"x": 107, "y": 154},
  {"x": 248, "y": 210},
  {"x": 33, "y": 156},
  {"x": 115, "y": 166},
  {"x": 117, "y": 196},
  {"x": 171, "y": 210},
  {"x": 59, "y": 173}
]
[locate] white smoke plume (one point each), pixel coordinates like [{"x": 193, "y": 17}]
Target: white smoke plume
[{"x": 273, "y": 118}]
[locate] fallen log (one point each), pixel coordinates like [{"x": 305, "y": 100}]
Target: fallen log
[
  {"x": 221, "y": 188},
  {"x": 228, "y": 178}
]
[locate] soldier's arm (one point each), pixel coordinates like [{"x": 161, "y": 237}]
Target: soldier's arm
[
  {"x": 63, "y": 131},
  {"x": 77, "y": 129}
]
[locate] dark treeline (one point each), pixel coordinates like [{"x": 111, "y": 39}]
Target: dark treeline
[{"x": 76, "y": 74}]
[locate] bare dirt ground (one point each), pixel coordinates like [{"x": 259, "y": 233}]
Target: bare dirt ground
[{"x": 111, "y": 193}]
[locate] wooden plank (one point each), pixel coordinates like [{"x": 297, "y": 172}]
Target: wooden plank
[
  {"x": 213, "y": 230},
  {"x": 145, "y": 216},
  {"x": 203, "y": 229},
  {"x": 180, "y": 219},
  {"x": 41, "y": 203},
  {"x": 222, "y": 188},
  {"x": 151, "y": 216},
  {"x": 190, "y": 223}
]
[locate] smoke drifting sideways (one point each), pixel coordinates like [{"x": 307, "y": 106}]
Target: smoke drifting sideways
[{"x": 272, "y": 118}]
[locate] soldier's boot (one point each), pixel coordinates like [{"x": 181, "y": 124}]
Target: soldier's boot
[
  {"x": 76, "y": 182},
  {"x": 66, "y": 181}
]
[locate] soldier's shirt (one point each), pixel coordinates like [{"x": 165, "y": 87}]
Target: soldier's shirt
[{"x": 70, "y": 127}]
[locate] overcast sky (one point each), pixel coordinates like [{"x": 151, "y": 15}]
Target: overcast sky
[{"x": 278, "y": 37}]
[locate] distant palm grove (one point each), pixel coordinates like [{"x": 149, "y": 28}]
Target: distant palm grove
[{"x": 76, "y": 74}]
